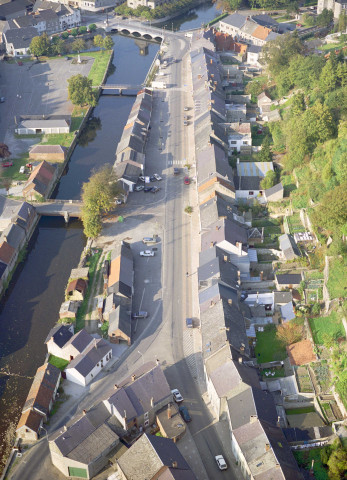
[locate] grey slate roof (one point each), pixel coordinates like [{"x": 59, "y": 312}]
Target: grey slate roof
[
  {"x": 14, "y": 235},
  {"x": 128, "y": 171},
  {"x": 275, "y": 189},
  {"x": 224, "y": 229},
  {"x": 61, "y": 334},
  {"x": 80, "y": 340},
  {"x": 235, "y": 20},
  {"x": 247, "y": 183},
  {"x": 216, "y": 269},
  {"x": 288, "y": 246},
  {"x": 254, "y": 49},
  {"x": 49, "y": 123},
  {"x": 297, "y": 435},
  {"x": 214, "y": 209},
  {"x": 3, "y": 267},
  {"x": 213, "y": 160},
  {"x": 20, "y": 37},
  {"x": 120, "y": 319},
  {"x": 282, "y": 297},
  {"x": 289, "y": 278},
  {"x": 124, "y": 282},
  {"x": 11, "y": 8},
  {"x": 9, "y": 208},
  {"x": 86, "y": 361},
  {"x": 135, "y": 397}
]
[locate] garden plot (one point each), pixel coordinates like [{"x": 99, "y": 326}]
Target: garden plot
[{"x": 303, "y": 380}]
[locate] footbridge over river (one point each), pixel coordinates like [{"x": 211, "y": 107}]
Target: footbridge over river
[{"x": 59, "y": 208}]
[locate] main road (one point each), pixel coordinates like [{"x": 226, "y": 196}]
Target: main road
[{"x": 163, "y": 338}]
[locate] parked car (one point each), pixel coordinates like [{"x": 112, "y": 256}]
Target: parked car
[
  {"x": 2, "y": 99},
  {"x": 142, "y": 179},
  {"x": 185, "y": 413},
  {"x": 155, "y": 189},
  {"x": 177, "y": 396},
  {"x": 7, "y": 164},
  {"x": 221, "y": 462},
  {"x": 140, "y": 314},
  {"x": 148, "y": 240},
  {"x": 176, "y": 171},
  {"x": 186, "y": 180},
  {"x": 185, "y": 123},
  {"x": 189, "y": 323},
  {"x": 157, "y": 177},
  {"x": 152, "y": 178},
  {"x": 147, "y": 253},
  {"x": 148, "y": 189},
  {"x": 186, "y": 109},
  {"x": 139, "y": 188}
]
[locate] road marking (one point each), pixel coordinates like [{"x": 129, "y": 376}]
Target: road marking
[{"x": 142, "y": 299}]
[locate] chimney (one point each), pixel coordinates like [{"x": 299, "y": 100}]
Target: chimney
[
  {"x": 278, "y": 423},
  {"x": 84, "y": 412},
  {"x": 211, "y": 61},
  {"x": 174, "y": 464},
  {"x": 115, "y": 386},
  {"x": 133, "y": 378},
  {"x": 267, "y": 447},
  {"x": 217, "y": 227},
  {"x": 152, "y": 402},
  {"x": 169, "y": 411},
  {"x": 225, "y": 259},
  {"x": 230, "y": 302},
  {"x": 239, "y": 246},
  {"x": 65, "y": 428},
  {"x": 211, "y": 244},
  {"x": 261, "y": 276},
  {"x": 157, "y": 362},
  {"x": 242, "y": 348},
  {"x": 239, "y": 274},
  {"x": 240, "y": 360}
]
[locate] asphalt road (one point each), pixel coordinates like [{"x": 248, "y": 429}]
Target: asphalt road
[{"x": 163, "y": 336}]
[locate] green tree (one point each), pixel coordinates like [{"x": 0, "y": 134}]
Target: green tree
[
  {"x": 98, "y": 198},
  {"x": 331, "y": 214},
  {"x": 265, "y": 154},
  {"x": 74, "y": 32},
  {"x": 40, "y": 45},
  {"x": 319, "y": 124},
  {"x": 277, "y": 53},
  {"x": 342, "y": 23},
  {"x": 78, "y": 45},
  {"x": 269, "y": 180},
  {"x": 58, "y": 47},
  {"x": 99, "y": 41},
  {"x": 341, "y": 73},
  {"x": 80, "y": 90},
  {"x": 325, "y": 18},
  {"x": 108, "y": 43},
  {"x": 298, "y": 105},
  {"x": 254, "y": 88},
  {"x": 92, "y": 27},
  {"x": 328, "y": 77},
  {"x": 337, "y": 464},
  {"x": 82, "y": 29}
]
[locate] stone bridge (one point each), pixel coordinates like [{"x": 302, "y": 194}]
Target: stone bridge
[
  {"x": 139, "y": 30},
  {"x": 59, "y": 208}
]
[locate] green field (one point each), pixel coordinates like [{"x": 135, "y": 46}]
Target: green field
[
  {"x": 8, "y": 174},
  {"x": 299, "y": 411},
  {"x": 268, "y": 348},
  {"x": 337, "y": 282},
  {"x": 98, "y": 69},
  {"x": 322, "y": 326}
]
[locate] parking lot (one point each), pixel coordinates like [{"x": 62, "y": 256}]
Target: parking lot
[{"x": 34, "y": 89}]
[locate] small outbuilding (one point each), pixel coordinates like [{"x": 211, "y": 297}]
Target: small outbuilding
[
  {"x": 76, "y": 289},
  {"x": 119, "y": 329},
  {"x": 43, "y": 126},
  {"x": 50, "y": 153}
]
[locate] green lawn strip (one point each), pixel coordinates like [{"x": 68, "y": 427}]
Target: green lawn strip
[
  {"x": 268, "y": 347},
  {"x": 98, "y": 69},
  {"x": 332, "y": 46},
  {"x": 298, "y": 411},
  {"x": 266, "y": 222},
  {"x": 80, "y": 317},
  {"x": 330, "y": 325},
  {"x": 337, "y": 281},
  {"x": 314, "y": 275},
  {"x": 304, "y": 459},
  {"x": 12, "y": 173},
  {"x": 64, "y": 139},
  {"x": 60, "y": 363}
]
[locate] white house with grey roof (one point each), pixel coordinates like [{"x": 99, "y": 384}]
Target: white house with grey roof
[
  {"x": 17, "y": 40},
  {"x": 136, "y": 401},
  {"x": 47, "y": 126}
]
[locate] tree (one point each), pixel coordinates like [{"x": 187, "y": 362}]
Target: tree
[
  {"x": 325, "y": 18},
  {"x": 40, "y": 45},
  {"x": 328, "y": 77},
  {"x": 74, "y": 32},
  {"x": 80, "y": 90},
  {"x": 92, "y": 27},
  {"x": 342, "y": 22},
  {"x": 82, "y": 29},
  {"x": 58, "y": 47},
  {"x": 289, "y": 332},
  {"x": 99, "y": 41},
  {"x": 98, "y": 198},
  {"x": 265, "y": 154},
  {"x": 298, "y": 105},
  {"x": 78, "y": 45},
  {"x": 254, "y": 88},
  {"x": 269, "y": 180},
  {"x": 108, "y": 43},
  {"x": 319, "y": 124},
  {"x": 4, "y": 151},
  {"x": 277, "y": 53},
  {"x": 331, "y": 214},
  {"x": 337, "y": 464}
]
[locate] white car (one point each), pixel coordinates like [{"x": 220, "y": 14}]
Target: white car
[
  {"x": 147, "y": 253},
  {"x": 221, "y": 462},
  {"x": 157, "y": 177},
  {"x": 177, "y": 396}
]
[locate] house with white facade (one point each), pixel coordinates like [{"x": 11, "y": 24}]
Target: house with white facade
[
  {"x": 86, "y": 366},
  {"x": 17, "y": 40},
  {"x": 34, "y": 127},
  {"x": 239, "y": 136},
  {"x": 337, "y": 6}
]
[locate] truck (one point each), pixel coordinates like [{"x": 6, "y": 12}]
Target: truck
[{"x": 158, "y": 84}]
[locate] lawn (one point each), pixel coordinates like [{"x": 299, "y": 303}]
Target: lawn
[
  {"x": 331, "y": 326},
  {"x": 288, "y": 183},
  {"x": 294, "y": 223},
  {"x": 9, "y": 174},
  {"x": 268, "y": 347},
  {"x": 304, "y": 459},
  {"x": 337, "y": 282},
  {"x": 98, "y": 69},
  {"x": 60, "y": 363},
  {"x": 64, "y": 139},
  {"x": 267, "y": 222},
  {"x": 299, "y": 411},
  {"x": 332, "y": 46}
]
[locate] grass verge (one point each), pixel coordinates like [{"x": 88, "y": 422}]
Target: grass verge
[
  {"x": 268, "y": 347},
  {"x": 330, "y": 326},
  {"x": 337, "y": 281},
  {"x": 99, "y": 66}
]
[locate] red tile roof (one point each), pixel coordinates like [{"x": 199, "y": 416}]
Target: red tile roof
[{"x": 6, "y": 252}]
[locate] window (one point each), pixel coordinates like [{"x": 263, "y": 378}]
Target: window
[
  {"x": 233, "y": 143},
  {"x": 146, "y": 415},
  {"x": 245, "y": 143},
  {"x": 146, "y": 423},
  {"x": 250, "y": 193}
]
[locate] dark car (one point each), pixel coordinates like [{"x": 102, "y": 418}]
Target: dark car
[
  {"x": 155, "y": 189},
  {"x": 152, "y": 179},
  {"x": 148, "y": 189},
  {"x": 176, "y": 171},
  {"x": 185, "y": 414}
]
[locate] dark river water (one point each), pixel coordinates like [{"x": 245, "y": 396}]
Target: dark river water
[{"x": 31, "y": 305}]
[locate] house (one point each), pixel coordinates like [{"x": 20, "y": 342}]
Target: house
[
  {"x": 121, "y": 277},
  {"x": 136, "y": 400},
  {"x": 83, "y": 448},
  {"x": 17, "y": 41},
  {"x": 337, "y": 6},
  {"x": 301, "y": 353},
  {"x": 29, "y": 426},
  {"x": 169, "y": 421},
  {"x": 80, "y": 272},
  {"x": 236, "y": 111},
  {"x": 111, "y": 302},
  {"x": 250, "y": 30},
  {"x": 43, "y": 126},
  {"x": 15, "y": 9},
  {"x": 8, "y": 211},
  {"x": 214, "y": 174},
  {"x": 58, "y": 337},
  {"x": 30, "y": 21},
  {"x": 76, "y": 289},
  {"x": 289, "y": 248},
  {"x": 254, "y": 55},
  {"x": 69, "y": 309},
  {"x": 288, "y": 280},
  {"x": 239, "y": 136},
  {"x": 151, "y": 4},
  {"x": 161, "y": 458},
  {"x": 25, "y": 218},
  {"x": 68, "y": 17},
  {"x": 40, "y": 181},
  {"x": 287, "y": 312},
  {"x": 86, "y": 366},
  {"x": 119, "y": 329},
  {"x": 128, "y": 173},
  {"x": 50, "y": 153},
  {"x": 226, "y": 43},
  {"x": 275, "y": 193},
  {"x": 67, "y": 346},
  {"x": 214, "y": 209},
  {"x": 264, "y": 102},
  {"x": 8, "y": 256},
  {"x": 15, "y": 236},
  {"x": 216, "y": 269},
  {"x": 43, "y": 390}
]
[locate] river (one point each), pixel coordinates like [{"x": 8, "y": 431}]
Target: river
[{"x": 31, "y": 305}]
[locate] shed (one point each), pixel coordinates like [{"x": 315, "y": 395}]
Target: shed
[{"x": 76, "y": 289}]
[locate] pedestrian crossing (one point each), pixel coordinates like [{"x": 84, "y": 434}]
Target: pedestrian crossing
[
  {"x": 177, "y": 162},
  {"x": 189, "y": 353}
]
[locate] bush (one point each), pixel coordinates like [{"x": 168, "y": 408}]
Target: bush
[
  {"x": 64, "y": 35},
  {"x": 74, "y": 32},
  {"x": 82, "y": 30},
  {"x": 92, "y": 27}
]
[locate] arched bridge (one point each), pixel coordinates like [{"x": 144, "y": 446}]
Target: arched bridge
[{"x": 138, "y": 30}]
